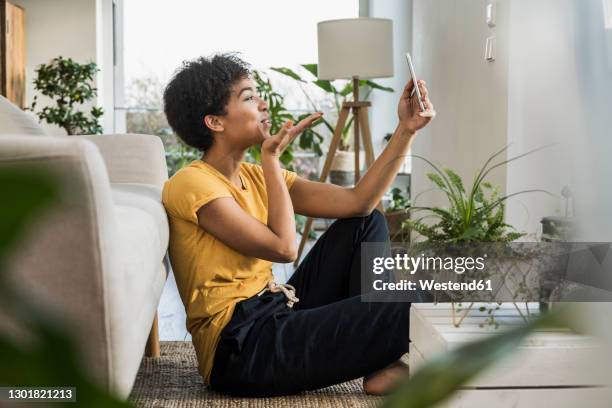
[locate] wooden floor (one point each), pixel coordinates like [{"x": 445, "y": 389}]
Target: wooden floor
[{"x": 171, "y": 311}]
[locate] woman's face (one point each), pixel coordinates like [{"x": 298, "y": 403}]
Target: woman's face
[{"x": 247, "y": 121}]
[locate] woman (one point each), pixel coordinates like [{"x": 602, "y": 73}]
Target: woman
[{"x": 230, "y": 220}]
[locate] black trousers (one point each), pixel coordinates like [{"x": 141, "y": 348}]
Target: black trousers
[{"x": 330, "y": 336}]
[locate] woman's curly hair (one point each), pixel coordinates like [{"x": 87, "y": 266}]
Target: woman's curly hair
[{"x": 198, "y": 88}]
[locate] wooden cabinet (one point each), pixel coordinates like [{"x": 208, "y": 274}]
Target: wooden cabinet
[{"x": 12, "y": 52}]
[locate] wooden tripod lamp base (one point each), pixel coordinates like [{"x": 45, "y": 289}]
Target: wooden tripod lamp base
[
  {"x": 361, "y": 127},
  {"x": 352, "y": 48}
]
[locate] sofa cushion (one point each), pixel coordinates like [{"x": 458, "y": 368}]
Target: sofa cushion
[
  {"x": 143, "y": 201},
  {"x": 136, "y": 286},
  {"x": 141, "y": 240},
  {"x": 138, "y": 240},
  {"x": 17, "y": 122}
]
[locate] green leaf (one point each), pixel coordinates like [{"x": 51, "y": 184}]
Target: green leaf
[
  {"x": 325, "y": 85},
  {"x": 444, "y": 214},
  {"x": 374, "y": 85},
  {"x": 455, "y": 179},
  {"x": 288, "y": 72},
  {"x": 29, "y": 191},
  {"x": 286, "y": 158},
  {"x": 478, "y": 195},
  {"x": 312, "y": 68},
  {"x": 347, "y": 90},
  {"x": 513, "y": 236},
  {"x": 453, "y": 197},
  {"x": 437, "y": 181},
  {"x": 470, "y": 233}
]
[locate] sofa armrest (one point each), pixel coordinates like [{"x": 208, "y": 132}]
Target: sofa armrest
[
  {"x": 67, "y": 260},
  {"x": 133, "y": 158},
  {"x": 73, "y": 259}
]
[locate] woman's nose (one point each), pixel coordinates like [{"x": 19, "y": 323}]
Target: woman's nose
[{"x": 263, "y": 105}]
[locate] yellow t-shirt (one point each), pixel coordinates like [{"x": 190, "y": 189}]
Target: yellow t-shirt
[{"x": 212, "y": 277}]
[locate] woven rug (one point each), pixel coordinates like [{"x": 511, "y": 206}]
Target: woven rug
[{"x": 173, "y": 381}]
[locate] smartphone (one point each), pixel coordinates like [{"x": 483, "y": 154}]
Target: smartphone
[{"x": 414, "y": 79}]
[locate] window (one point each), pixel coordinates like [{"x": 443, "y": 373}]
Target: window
[{"x": 158, "y": 36}]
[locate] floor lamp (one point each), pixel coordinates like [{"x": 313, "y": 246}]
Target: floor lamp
[{"x": 356, "y": 48}]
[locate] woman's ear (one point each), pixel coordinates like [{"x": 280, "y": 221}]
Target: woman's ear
[{"x": 214, "y": 123}]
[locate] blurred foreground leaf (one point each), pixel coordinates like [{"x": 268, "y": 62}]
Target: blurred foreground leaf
[
  {"x": 25, "y": 193},
  {"x": 39, "y": 352}
]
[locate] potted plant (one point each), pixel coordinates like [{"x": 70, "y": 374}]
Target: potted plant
[
  {"x": 69, "y": 84},
  {"x": 557, "y": 228},
  {"x": 342, "y": 170},
  {"x": 472, "y": 216},
  {"x": 397, "y": 213}
]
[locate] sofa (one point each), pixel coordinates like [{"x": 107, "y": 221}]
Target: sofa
[{"x": 99, "y": 257}]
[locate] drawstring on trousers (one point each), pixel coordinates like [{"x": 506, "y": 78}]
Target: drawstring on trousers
[{"x": 286, "y": 289}]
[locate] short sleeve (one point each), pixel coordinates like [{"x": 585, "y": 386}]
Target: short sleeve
[
  {"x": 289, "y": 177},
  {"x": 187, "y": 191}
]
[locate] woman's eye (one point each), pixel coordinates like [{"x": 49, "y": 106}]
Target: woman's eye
[{"x": 249, "y": 98}]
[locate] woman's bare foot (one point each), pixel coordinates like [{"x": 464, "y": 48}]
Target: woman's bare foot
[{"x": 382, "y": 382}]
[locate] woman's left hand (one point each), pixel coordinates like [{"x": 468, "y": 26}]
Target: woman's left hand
[
  {"x": 276, "y": 144},
  {"x": 410, "y": 116}
]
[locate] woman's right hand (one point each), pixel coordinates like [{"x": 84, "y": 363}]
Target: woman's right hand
[
  {"x": 274, "y": 145},
  {"x": 410, "y": 116}
]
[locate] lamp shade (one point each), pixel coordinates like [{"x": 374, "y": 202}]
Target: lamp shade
[{"x": 361, "y": 47}]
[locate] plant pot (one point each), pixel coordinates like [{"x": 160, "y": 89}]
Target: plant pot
[
  {"x": 342, "y": 178},
  {"x": 557, "y": 228},
  {"x": 394, "y": 223},
  {"x": 342, "y": 170},
  {"x": 554, "y": 229}
]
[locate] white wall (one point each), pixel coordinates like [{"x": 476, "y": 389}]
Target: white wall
[
  {"x": 591, "y": 90},
  {"x": 120, "y": 117},
  {"x": 551, "y": 83},
  {"x": 469, "y": 93},
  {"x": 75, "y": 29},
  {"x": 105, "y": 61},
  {"x": 544, "y": 106},
  {"x": 383, "y": 114},
  {"x": 529, "y": 97}
]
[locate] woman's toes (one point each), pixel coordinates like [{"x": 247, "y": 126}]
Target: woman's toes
[
  {"x": 382, "y": 382},
  {"x": 370, "y": 388}
]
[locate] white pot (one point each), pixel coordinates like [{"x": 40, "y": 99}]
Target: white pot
[
  {"x": 342, "y": 169},
  {"x": 343, "y": 161}
]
